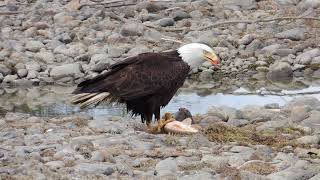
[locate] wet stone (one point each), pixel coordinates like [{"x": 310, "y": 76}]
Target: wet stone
[{"x": 166, "y": 167}]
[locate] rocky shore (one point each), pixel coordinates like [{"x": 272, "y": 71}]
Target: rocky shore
[
  {"x": 268, "y": 142},
  {"x": 47, "y": 41}
]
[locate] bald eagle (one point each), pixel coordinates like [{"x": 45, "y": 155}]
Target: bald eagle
[{"x": 146, "y": 82}]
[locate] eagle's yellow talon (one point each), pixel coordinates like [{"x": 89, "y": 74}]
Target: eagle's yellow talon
[{"x": 159, "y": 128}]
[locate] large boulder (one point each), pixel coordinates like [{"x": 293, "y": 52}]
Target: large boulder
[
  {"x": 66, "y": 70},
  {"x": 280, "y": 71}
]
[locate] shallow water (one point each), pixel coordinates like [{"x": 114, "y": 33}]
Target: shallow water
[{"x": 54, "y": 100}]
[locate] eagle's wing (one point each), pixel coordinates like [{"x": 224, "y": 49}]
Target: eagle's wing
[{"x": 142, "y": 75}]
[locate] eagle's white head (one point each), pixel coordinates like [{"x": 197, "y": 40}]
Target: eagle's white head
[{"x": 196, "y": 53}]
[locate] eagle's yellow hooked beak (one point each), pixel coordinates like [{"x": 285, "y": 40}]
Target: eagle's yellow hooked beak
[{"x": 213, "y": 58}]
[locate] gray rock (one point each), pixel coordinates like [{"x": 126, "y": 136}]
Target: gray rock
[
  {"x": 179, "y": 15},
  {"x": 166, "y": 167},
  {"x": 164, "y": 22},
  {"x": 280, "y": 71},
  {"x": 272, "y": 106},
  {"x": 124, "y": 169},
  {"x": 315, "y": 139},
  {"x": 215, "y": 161},
  {"x": 271, "y": 125},
  {"x": 313, "y": 121},
  {"x": 55, "y": 164},
  {"x": 140, "y": 162},
  {"x": 207, "y": 65},
  {"x": 150, "y": 6},
  {"x": 22, "y": 73},
  {"x": 96, "y": 58},
  {"x": 237, "y": 122},
  {"x": 316, "y": 177},
  {"x": 283, "y": 52},
  {"x": 245, "y": 4},
  {"x": 299, "y": 113},
  {"x": 298, "y": 67},
  {"x": 307, "y": 4},
  {"x": 219, "y": 112},
  {"x": 138, "y": 49},
  {"x": 73, "y": 50},
  {"x": 247, "y": 39},
  {"x": 32, "y": 74},
  {"x": 45, "y": 56},
  {"x": 316, "y": 74},
  {"x": 295, "y": 173},
  {"x": 295, "y": 34},
  {"x": 101, "y": 66},
  {"x": 73, "y": 70},
  {"x": 258, "y": 114},
  {"x": 20, "y": 66},
  {"x": 207, "y": 120},
  {"x": 308, "y": 101},
  {"x": 206, "y": 75},
  {"x": 254, "y": 45},
  {"x": 4, "y": 70},
  {"x": 315, "y": 63},
  {"x": 63, "y": 20},
  {"x": 237, "y": 159},
  {"x": 132, "y": 29},
  {"x": 33, "y": 66},
  {"x": 198, "y": 175},
  {"x": 271, "y": 48},
  {"x": 1, "y": 77},
  {"x": 287, "y": 2},
  {"x": 10, "y": 78},
  {"x": 306, "y": 57},
  {"x": 112, "y": 127},
  {"x": 150, "y": 17},
  {"x": 115, "y": 52},
  {"x": 95, "y": 168},
  {"x": 34, "y": 46}
]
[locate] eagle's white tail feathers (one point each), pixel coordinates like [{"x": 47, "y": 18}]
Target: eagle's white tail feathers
[
  {"x": 89, "y": 99},
  {"x": 76, "y": 99}
]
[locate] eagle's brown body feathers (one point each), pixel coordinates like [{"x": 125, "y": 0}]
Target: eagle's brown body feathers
[{"x": 145, "y": 83}]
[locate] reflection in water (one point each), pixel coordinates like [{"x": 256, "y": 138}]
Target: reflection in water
[{"x": 54, "y": 101}]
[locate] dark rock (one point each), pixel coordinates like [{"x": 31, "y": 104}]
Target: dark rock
[
  {"x": 179, "y": 15},
  {"x": 166, "y": 22},
  {"x": 183, "y": 114},
  {"x": 150, "y": 6},
  {"x": 280, "y": 71},
  {"x": 150, "y": 17}
]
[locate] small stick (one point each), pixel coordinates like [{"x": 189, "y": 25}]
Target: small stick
[{"x": 172, "y": 40}]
